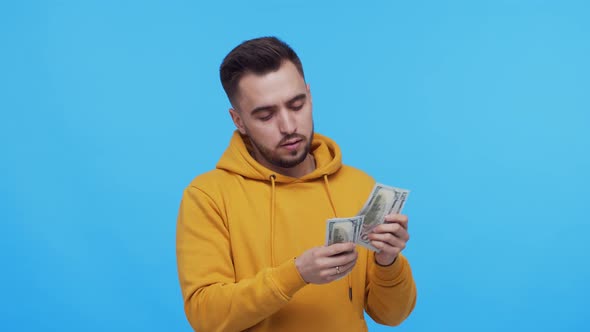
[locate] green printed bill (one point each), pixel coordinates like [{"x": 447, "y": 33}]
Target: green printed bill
[{"x": 383, "y": 200}]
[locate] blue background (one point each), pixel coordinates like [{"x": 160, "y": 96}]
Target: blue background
[{"x": 109, "y": 108}]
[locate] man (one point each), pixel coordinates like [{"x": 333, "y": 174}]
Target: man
[{"x": 250, "y": 233}]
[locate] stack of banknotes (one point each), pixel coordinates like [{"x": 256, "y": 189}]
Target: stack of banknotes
[{"x": 383, "y": 200}]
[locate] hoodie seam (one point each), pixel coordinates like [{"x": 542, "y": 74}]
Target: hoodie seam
[
  {"x": 277, "y": 289},
  {"x": 216, "y": 206}
]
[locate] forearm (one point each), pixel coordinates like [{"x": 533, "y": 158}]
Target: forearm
[
  {"x": 214, "y": 298},
  {"x": 391, "y": 291},
  {"x": 240, "y": 305}
]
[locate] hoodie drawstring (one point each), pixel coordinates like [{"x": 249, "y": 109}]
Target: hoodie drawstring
[
  {"x": 330, "y": 195},
  {"x": 327, "y": 185},
  {"x": 272, "y": 219}
]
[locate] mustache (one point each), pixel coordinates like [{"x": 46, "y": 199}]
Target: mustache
[{"x": 291, "y": 137}]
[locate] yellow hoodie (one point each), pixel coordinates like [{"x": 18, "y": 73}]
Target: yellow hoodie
[{"x": 239, "y": 229}]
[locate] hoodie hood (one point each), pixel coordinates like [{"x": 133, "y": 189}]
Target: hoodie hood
[{"x": 237, "y": 159}]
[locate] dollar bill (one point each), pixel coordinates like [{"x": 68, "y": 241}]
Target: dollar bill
[
  {"x": 398, "y": 204},
  {"x": 383, "y": 200},
  {"x": 340, "y": 230}
]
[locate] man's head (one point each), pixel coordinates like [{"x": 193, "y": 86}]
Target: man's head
[
  {"x": 264, "y": 81},
  {"x": 256, "y": 56}
]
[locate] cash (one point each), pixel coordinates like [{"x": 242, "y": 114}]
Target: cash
[
  {"x": 383, "y": 200},
  {"x": 340, "y": 230}
]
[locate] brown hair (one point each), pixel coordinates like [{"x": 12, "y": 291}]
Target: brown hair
[{"x": 259, "y": 56}]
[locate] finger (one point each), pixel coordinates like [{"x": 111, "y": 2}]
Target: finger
[
  {"x": 394, "y": 229},
  {"x": 337, "y": 248},
  {"x": 396, "y": 217},
  {"x": 387, "y": 228},
  {"x": 342, "y": 270},
  {"x": 388, "y": 239},
  {"x": 400, "y": 219},
  {"x": 338, "y": 260},
  {"x": 334, "y": 272},
  {"x": 341, "y": 259},
  {"x": 385, "y": 248}
]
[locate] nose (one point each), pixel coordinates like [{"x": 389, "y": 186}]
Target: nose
[{"x": 287, "y": 122}]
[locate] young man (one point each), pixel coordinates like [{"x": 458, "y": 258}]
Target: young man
[{"x": 250, "y": 233}]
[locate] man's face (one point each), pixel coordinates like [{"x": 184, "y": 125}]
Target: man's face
[{"x": 275, "y": 111}]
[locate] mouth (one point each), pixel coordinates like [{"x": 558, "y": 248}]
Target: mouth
[{"x": 292, "y": 144}]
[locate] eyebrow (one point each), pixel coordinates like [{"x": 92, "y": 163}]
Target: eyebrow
[
  {"x": 259, "y": 109},
  {"x": 297, "y": 98}
]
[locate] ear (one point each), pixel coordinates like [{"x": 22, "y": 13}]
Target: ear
[{"x": 235, "y": 116}]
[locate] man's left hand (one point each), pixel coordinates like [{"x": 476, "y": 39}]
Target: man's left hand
[{"x": 390, "y": 237}]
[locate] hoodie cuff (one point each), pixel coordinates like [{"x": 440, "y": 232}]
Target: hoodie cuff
[
  {"x": 389, "y": 275},
  {"x": 287, "y": 279}
]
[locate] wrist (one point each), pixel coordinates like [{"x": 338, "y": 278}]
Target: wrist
[
  {"x": 299, "y": 269},
  {"x": 385, "y": 263}
]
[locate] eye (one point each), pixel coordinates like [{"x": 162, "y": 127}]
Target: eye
[
  {"x": 297, "y": 106},
  {"x": 266, "y": 117}
]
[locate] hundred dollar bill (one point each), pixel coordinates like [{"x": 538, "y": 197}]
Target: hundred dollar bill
[
  {"x": 340, "y": 230},
  {"x": 383, "y": 200},
  {"x": 400, "y": 200}
]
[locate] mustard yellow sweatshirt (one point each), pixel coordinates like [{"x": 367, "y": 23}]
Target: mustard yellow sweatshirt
[{"x": 239, "y": 229}]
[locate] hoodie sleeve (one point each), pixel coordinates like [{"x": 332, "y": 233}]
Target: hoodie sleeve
[
  {"x": 390, "y": 291},
  {"x": 213, "y": 299}
]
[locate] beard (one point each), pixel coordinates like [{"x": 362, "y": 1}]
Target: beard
[{"x": 294, "y": 157}]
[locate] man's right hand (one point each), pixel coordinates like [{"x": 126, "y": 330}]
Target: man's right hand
[{"x": 321, "y": 265}]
